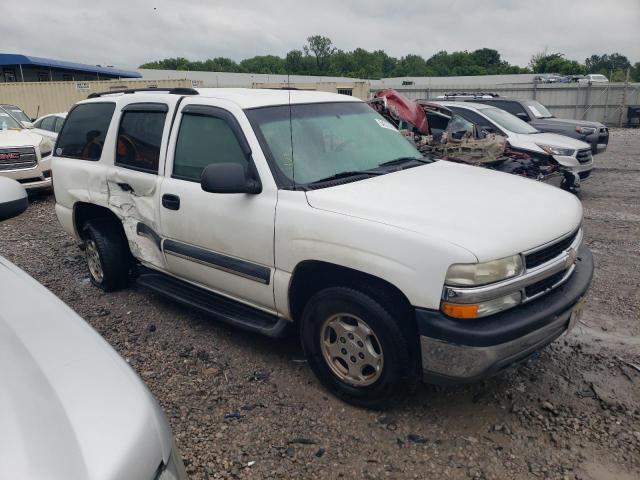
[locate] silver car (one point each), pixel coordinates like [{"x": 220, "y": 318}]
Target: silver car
[{"x": 70, "y": 406}]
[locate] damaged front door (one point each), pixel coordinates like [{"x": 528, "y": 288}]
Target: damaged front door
[{"x": 134, "y": 180}]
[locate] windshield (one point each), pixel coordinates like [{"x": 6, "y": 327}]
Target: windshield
[
  {"x": 328, "y": 139},
  {"x": 17, "y": 113},
  {"x": 538, "y": 110},
  {"x": 7, "y": 122},
  {"x": 507, "y": 121}
]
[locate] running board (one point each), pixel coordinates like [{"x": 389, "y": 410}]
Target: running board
[{"x": 222, "y": 308}]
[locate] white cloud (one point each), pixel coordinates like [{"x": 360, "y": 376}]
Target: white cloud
[{"x": 127, "y": 33}]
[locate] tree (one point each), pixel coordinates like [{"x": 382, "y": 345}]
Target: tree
[
  {"x": 263, "y": 64},
  {"x": 606, "y": 63},
  {"x": 555, "y": 63},
  {"x": 322, "y": 48}
]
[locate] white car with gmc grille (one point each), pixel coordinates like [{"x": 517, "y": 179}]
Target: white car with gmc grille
[
  {"x": 25, "y": 156},
  {"x": 268, "y": 208}
]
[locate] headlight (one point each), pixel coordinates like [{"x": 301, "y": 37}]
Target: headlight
[
  {"x": 46, "y": 147},
  {"x": 174, "y": 468},
  {"x": 554, "y": 150},
  {"x": 586, "y": 130},
  {"x": 475, "y": 274}
]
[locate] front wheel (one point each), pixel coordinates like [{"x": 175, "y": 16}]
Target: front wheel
[{"x": 356, "y": 348}]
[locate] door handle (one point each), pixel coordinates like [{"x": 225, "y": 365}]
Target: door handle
[{"x": 171, "y": 202}]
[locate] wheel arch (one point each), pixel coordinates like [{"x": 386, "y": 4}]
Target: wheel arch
[{"x": 311, "y": 276}]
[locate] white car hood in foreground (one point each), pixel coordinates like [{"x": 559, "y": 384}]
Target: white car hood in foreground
[
  {"x": 19, "y": 138},
  {"x": 70, "y": 407},
  {"x": 491, "y": 214},
  {"x": 529, "y": 141}
]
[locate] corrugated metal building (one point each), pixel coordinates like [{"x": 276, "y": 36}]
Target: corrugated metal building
[{"x": 24, "y": 68}]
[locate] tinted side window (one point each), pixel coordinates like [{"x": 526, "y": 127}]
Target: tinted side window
[
  {"x": 479, "y": 120},
  {"x": 85, "y": 130},
  {"x": 139, "y": 139},
  {"x": 59, "y": 123},
  {"x": 511, "y": 107},
  {"x": 203, "y": 140},
  {"x": 48, "y": 123}
]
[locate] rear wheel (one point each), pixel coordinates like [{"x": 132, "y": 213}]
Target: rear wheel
[
  {"x": 107, "y": 254},
  {"x": 356, "y": 348}
]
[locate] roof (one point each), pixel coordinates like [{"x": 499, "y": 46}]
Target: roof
[
  {"x": 467, "y": 105},
  {"x": 253, "y": 97},
  {"x": 258, "y": 97},
  {"x": 17, "y": 59}
]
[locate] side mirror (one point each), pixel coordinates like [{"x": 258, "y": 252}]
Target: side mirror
[
  {"x": 13, "y": 198},
  {"x": 523, "y": 116},
  {"x": 228, "y": 178}
]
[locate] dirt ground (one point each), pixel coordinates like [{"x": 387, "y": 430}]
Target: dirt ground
[{"x": 243, "y": 406}]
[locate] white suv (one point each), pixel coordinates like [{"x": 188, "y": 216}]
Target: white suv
[{"x": 266, "y": 208}]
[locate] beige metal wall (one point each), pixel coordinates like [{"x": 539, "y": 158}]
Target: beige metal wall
[
  {"x": 41, "y": 98},
  {"x": 359, "y": 89}
]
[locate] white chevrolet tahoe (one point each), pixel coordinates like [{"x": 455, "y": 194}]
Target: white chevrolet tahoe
[
  {"x": 25, "y": 156},
  {"x": 267, "y": 208}
]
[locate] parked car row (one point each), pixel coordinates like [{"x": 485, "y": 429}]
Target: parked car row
[{"x": 556, "y": 78}]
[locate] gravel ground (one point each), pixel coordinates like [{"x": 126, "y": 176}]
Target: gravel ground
[{"x": 243, "y": 406}]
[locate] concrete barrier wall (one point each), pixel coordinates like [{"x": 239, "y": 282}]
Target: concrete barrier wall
[
  {"x": 41, "y": 98},
  {"x": 597, "y": 102}
]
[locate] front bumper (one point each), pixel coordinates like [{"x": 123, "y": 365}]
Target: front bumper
[
  {"x": 35, "y": 178},
  {"x": 573, "y": 164},
  {"x": 457, "y": 351}
]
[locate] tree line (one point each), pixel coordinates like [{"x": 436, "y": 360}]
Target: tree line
[{"x": 320, "y": 57}]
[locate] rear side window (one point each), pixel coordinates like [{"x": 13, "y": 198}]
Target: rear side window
[
  {"x": 511, "y": 107},
  {"x": 140, "y": 136},
  {"x": 48, "y": 123},
  {"x": 84, "y": 131},
  {"x": 204, "y": 140},
  {"x": 59, "y": 123}
]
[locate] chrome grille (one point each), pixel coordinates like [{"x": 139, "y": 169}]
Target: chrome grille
[
  {"x": 17, "y": 158},
  {"x": 545, "y": 254},
  {"x": 584, "y": 156}
]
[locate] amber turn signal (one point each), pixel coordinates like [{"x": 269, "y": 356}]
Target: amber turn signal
[{"x": 460, "y": 311}]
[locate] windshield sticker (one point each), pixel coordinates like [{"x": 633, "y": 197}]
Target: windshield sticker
[
  {"x": 2, "y": 114},
  {"x": 535, "y": 111},
  {"x": 385, "y": 124}
]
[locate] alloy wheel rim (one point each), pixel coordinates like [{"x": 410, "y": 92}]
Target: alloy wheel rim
[
  {"x": 351, "y": 349},
  {"x": 93, "y": 260}
]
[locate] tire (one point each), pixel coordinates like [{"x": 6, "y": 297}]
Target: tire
[
  {"x": 323, "y": 319},
  {"x": 107, "y": 253}
]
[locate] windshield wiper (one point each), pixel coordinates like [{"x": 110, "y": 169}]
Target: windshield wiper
[
  {"x": 401, "y": 160},
  {"x": 354, "y": 173}
]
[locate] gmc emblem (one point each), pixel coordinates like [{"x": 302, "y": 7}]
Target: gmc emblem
[{"x": 9, "y": 156}]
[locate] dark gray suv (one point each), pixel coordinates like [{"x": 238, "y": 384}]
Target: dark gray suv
[{"x": 539, "y": 117}]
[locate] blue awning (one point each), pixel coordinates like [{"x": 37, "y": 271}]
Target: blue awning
[{"x": 16, "y": 59}]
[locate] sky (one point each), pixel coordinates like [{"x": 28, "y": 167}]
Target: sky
[{"x": 127, "y": 33}]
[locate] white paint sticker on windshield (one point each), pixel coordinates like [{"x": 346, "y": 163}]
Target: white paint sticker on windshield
[
  {"x": 2, "y": 114},
  {"x": 535, "y": 111},
  {"x": 385, "y": 124}
]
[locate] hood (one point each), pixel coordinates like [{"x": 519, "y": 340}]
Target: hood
[
  {"x": 564, "y": 121},
  {"x": 70, "y": 407},
  {"x": 528, "y": 141},
  {"x": 404, "y": 109},
  {"x": 489, "y": 213},
  {"x": 19, "y": 138}
]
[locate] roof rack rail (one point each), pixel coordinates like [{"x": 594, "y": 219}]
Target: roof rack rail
[
  {"x": 471, "y": 94},
  {"x": 172, "y": 91}
]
